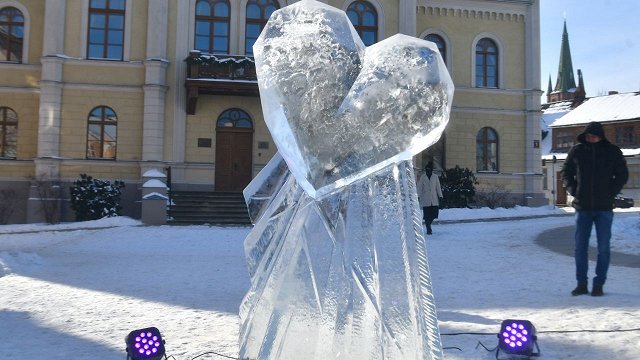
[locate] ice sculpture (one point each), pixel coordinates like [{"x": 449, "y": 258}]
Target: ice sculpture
[{"x": 337, "y": 257}]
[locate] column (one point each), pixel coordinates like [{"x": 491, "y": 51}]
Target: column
[
  {"x": 534, "y": 195},
  {"x": 155, "y": 81},
  {"x": 44, "y": 197}
]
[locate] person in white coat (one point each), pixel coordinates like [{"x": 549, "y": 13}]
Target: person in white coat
[{"x": 429, "y": 195}]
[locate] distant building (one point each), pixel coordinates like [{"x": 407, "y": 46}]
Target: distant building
[
  {"x": 567, "y": 112},
  {"x": 115, "y": 88},
  {"x": 620, "y": 117},
  {"x": 566, "y": 88}
]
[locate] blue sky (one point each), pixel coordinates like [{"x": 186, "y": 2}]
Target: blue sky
[{"x": 604, "y": 36}]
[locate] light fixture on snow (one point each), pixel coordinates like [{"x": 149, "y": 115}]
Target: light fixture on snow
[
  {"x": 145, "y": 344},
  {"x": 517, "y": 337}
]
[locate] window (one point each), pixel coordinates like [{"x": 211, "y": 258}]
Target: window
[
  {"x": 258, "y": 13},
  {"x": 11, "y": 34},
  {"x": 102, "y": 133},
  {"x": 106, "y": 29},
  {"x": 486, "y": 63},
  {"x": 8, "y": 133},
  {"x": 212, "y": 26},
  {"x": 364, "y": 18},
  {"x": 564, "y": 139},
  {"x": 234, "y": 118},
  {"x": 487, "y": 150},
  {"x": 625, "y": 135},
  {"x": 439, "y": 41},
  {"x": 634, "y": 177}
]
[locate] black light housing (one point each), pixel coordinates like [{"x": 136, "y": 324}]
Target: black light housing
[
  {"x": 145, "y": 344},
  {"x": 518, "y": 337}
]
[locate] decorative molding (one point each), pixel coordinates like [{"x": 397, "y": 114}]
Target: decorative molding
[
  {"x": 490, "y": 111},
  {"x": 19, "y": 90},
  {"x": 476, "y": 9},
  {"x": 493, "y": 91},
  {"x": 101, "y": 63},
  {"x": 19, "y": 66},
  {"x": 103, "y": 87}
]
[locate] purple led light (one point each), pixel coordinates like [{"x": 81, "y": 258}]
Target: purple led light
[{"x": 145, "y": 344}]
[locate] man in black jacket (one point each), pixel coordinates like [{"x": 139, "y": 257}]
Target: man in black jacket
[{"x": 593, "y": 173}]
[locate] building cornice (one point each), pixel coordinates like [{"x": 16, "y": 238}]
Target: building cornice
[
  {"x": 490, "y": 111},
  {"x": 19, "y": 90},
  {"x": 493, "y": 9}
]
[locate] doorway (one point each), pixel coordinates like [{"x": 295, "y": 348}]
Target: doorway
[{"x": 234, "y": 150}]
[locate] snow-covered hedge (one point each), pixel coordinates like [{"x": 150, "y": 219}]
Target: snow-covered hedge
[{"x": 94, "y": 199}]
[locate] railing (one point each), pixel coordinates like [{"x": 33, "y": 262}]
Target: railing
[{"x": 224, "y": 67}]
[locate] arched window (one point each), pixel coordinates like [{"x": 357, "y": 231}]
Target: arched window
[
  {"x": 212, "y": 26},
  {"x": 487, "y": 150},
  {"x": 102, "y": 133},
  {"x": 364, "y": 18},
  {"x": 106, "y": 29},
  {"x": 439, "y": 41},
  {"x": 234, "y": 118},
  {"x": 258, "y": 13},
  {"x": 11, "y": 34},
  {"x": 486, "y": 63},
  {"x": 8, "y": 133}
]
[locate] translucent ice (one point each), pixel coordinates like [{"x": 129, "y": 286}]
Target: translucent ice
[
  {"x": 337, "y": 112},
  {"x": 344, "y": 277},
  {"x": 337, "y": 257}
]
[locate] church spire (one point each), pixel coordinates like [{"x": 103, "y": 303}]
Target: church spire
[
  {"x": 549, "y": 88},
  {"x": 565, "y": 81}
]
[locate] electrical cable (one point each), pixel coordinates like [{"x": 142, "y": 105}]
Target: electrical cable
[
  {"x": 451, "y": 347},
  {"x": 461, "y": 333},
  {"x": 215, "y": 353},
  {"x": 488, "y": 350},
  {"x": 547, "y": 332}
]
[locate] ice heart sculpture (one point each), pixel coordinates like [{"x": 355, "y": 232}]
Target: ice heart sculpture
[
  {"x": 337, "y": 256},
  {"x": 339, "y": 112}
]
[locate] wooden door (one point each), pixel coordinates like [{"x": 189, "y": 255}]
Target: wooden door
[
  {"x": 561, "y": 193},
  {"x": 233, "y": 159}
]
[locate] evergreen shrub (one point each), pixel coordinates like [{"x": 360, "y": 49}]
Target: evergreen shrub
[
  {"x": 94, "y": 199},
  {"x": 458, "y": 187}
]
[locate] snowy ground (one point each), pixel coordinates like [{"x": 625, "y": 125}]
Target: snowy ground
[{"x": 74, "y": 291}]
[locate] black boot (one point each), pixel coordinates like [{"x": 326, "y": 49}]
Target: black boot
[
  {"x": 581, "y": 289},
  {"x": 429, "y": 232},
  {"x": 597, "y": 290}
]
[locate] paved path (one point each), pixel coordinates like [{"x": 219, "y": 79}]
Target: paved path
[{"x": 561, "y": 240}]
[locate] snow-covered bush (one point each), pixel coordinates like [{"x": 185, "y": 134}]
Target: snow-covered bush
[{"x": 94, "y": 199}]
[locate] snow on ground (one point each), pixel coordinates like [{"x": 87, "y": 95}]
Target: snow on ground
[{"x": 74, "y": 291}]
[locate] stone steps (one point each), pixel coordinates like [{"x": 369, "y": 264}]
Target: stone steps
[{"x": 196, "y": 207}]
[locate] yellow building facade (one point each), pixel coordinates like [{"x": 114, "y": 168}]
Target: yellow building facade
[{"x": 113, "y": 88}]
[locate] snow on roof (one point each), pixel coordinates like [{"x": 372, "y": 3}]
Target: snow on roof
[
  {"x": 154, "y": 173},
  {"x": 606, "y": 108},
  {"x": 562, "y": 156},
  {"x": 550, "y": 114},
  {"x": 154, "y": 183},
  {"x": 154, "y": 196}
]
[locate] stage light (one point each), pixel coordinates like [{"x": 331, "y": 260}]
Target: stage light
[
  {"x": 145, "y": 344},
  {"x": 518, "y": 337}
]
